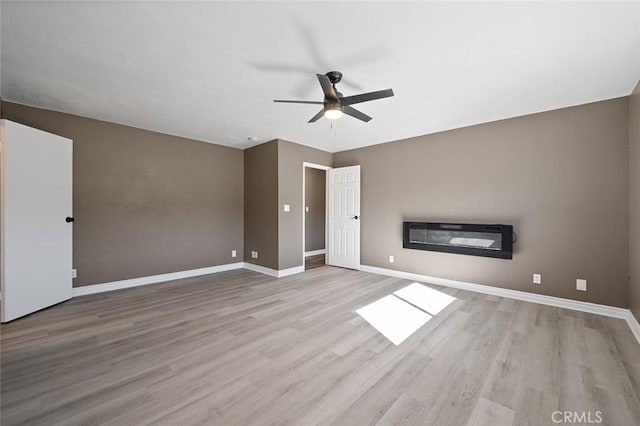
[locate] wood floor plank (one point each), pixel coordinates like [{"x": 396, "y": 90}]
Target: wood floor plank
[
  {"x": 487, "y": 412},
  {"x": 244, "y": 348}
]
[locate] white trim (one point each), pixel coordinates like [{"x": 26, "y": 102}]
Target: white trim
[
  {"x": 261, "y": 269},
  {"x": 633, "y": 325},
  {"x": 593, "y": 308},
  {"x": 315, "y": 166},
  {"x": 314, "y": 252},
  {"x": 153, "y": 279},
  {"x": 273, "y": 272},
  {"x": 290, "y": 271}
]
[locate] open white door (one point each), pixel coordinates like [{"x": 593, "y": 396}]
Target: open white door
[
  {"x": 36, "y": 219},
  {"x": 343, "y": 248}
]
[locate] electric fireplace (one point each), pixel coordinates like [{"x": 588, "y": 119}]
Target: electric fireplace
[{"x": 460, "y": 238}]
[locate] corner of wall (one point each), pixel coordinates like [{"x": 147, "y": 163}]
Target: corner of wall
[{"x": 634, "y": 202}]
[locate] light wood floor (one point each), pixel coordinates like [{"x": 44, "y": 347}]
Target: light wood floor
[{"x": 243, "y": 348}]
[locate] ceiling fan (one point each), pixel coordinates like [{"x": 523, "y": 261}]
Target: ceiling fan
[{"x": 334, "y": 104}]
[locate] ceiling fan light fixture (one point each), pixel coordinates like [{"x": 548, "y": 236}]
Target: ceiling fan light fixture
[
  {"x": 333, "y": 113},
  {"x": 334, "y": 104}
]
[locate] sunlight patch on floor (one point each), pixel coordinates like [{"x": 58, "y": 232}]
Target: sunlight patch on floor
[
  {"x": 394, "y": 318},
  {"x": 399, "y": 315},
  {"x": 429, "y": 300}
]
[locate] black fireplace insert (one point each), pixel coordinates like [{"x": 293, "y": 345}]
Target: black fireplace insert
[{"x": 460, "y": 238}]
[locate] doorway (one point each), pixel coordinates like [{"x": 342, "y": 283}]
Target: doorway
[{"x": 314, "y": 215}]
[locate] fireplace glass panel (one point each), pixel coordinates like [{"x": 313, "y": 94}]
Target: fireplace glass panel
[{"x": 482, "y": 240}]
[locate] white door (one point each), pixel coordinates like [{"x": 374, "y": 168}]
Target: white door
[
  {"x": 343, "y": 248},
  {"x": 36, "y": 184}
]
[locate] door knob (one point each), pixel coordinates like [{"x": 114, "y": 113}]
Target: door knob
[
  {"x": 69, "y": 219},
  {"x": 355, "y": 217}
]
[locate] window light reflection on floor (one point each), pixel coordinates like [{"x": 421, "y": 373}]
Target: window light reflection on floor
[
  {"x": 398, "y": 315},
  {"x": 429, "y": 300}
]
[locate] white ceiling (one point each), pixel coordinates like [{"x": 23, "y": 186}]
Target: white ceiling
[{"x": 210, "y": 71}]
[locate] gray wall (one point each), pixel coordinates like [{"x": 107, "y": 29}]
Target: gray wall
[
  {"x": 291, "y": 157},
  {"x": 261, "y": 204},
  {"x": 148, "y": 203},
  {"x": 634, "y": 201},
  {"x": 314, "y": 220},
  {"x": 145, "y": 203},
  {"x": 560, "y": 177}
]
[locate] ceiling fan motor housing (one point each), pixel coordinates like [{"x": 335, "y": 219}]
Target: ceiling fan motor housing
[{"x": 334, "y": 76}]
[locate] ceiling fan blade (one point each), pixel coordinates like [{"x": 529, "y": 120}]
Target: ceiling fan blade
[
  {"x": 327, "y": 87},
  {"x": 355, "y": 113},
  {"x": 317, "y": 116},
  {"x": 299, "y": 102},
  {"x": 356, "y": 99}
]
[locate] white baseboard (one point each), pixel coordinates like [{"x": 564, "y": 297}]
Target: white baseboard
[
  {"x": 593, "y": 308},
  {"x": 261, "y": 269},
  {"x": 290, "y": 271},
  {"x": 634, "y": 325},
  {"x": 314, "y": 252},
  {"x": 152, "y": 279},
  {"x": 273, "y": 272}
]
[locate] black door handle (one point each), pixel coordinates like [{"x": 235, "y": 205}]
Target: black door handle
[
  {"x": 69, "y": 219},
  {"x": 355, "y": 217}
]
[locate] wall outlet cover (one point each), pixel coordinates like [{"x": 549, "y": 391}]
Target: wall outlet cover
[
  {"x": 537, "y": 279},
  {"x": 74, "y": 273},
  {"x": 234, "y": 253},
  {"x": 287, "y": 207},
  {"x": 391, "y": 259}
]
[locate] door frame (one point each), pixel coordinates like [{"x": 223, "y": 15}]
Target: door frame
[{"x": 304, "y": 205}]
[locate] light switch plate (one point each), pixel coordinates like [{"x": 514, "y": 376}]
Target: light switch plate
[
  {"x": 307, "y": 209},
  {"x": 74, "y": 273},
  {"x": 581, "y": 284},
  {"x": 287, "y": 207}
]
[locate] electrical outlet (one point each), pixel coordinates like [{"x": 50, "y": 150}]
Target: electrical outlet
[
  {"x": 307, "y": 209},
  {"x": 254, "y": 254},
  {"x": 581, "y": 284},
  {"x": 537, "y": 279},
  {"x": 391, "y": 259},
  {"x": 233, "y": 253},
  {"x": 287, "y": 207},
  {"x": 74, "y": 273}
]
